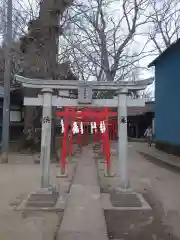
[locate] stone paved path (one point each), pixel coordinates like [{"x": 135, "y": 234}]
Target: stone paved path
[
  {"x": 83, "y": 217},
  {"x": 158, "y": 155}
]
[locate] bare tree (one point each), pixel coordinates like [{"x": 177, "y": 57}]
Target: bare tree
[
  {"x": 165, "y": 25},
  {"x": 147, "y": 95},
  {"x": 103, "y": 42},
  {"x": 23, "y": 12}
]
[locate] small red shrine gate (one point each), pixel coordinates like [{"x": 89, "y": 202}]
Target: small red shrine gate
[{"x": 84, "y": 117}]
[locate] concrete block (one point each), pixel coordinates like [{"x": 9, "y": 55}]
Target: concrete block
[{"x": 135, "y": 202}]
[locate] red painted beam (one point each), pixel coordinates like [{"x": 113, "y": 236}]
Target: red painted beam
[{"x": 86, "y": 115}]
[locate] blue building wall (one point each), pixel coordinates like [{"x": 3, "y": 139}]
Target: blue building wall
[{"x": 167, "y": 93}]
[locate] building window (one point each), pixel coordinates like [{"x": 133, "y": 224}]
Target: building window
[{"x": 15, "y": 116}]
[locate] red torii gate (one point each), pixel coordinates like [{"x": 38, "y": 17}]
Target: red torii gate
[{"x": 87, "y": 115}]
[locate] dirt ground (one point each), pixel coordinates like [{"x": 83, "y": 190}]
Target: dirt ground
[
  {"x": 18, "y": 178},
  {"x": 158, "y": 184},
  {"x": 135, "y": 225}
]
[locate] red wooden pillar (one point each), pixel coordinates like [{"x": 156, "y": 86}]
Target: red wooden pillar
[
  {"x": 85, "y": 134},
  {"x": 98, "y": 135},
  {"x": 107, "y": 145},
  {"x": 97, "y": 132},
  {"x": 70, "y": 142},
  {"x": 110, "y": 129},
  {"x": 103, "y": 144},
  {"x": 64, "y": 144},
  {"x": 113, "y": 129},
  {"x": 79, "y": 139},
  {"x": 94, "y": 132}
]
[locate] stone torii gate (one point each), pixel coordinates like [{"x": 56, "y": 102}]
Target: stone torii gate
[{"x": 85, "y": 92}]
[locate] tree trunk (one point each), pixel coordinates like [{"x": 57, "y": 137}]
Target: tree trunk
[{"x": 40, "y": 48}]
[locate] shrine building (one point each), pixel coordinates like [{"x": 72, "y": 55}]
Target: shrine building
[{"x": 167, "y": 99}]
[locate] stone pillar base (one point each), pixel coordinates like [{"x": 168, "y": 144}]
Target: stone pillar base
[
  {"x": 108, "y": 173},
  {"x": 63, "y": 172},
  {"x": 43, "y": 198},
  {"x": 4, "y": 158}
]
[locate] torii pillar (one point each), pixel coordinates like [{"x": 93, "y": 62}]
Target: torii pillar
[
  {"x": 46, "y": 137},
  {"x": 122, "y": 138}
]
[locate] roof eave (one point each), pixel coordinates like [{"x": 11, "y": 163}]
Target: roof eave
[{"x": 153, "y": 63}]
